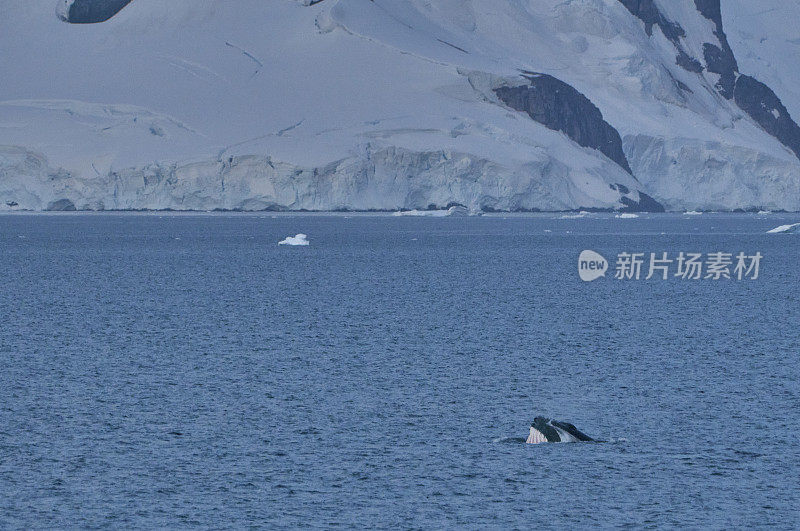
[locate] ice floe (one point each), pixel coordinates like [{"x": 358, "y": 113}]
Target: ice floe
[
  {"x": 300, "y": 239},
  {"x": 793, "y": 228}
]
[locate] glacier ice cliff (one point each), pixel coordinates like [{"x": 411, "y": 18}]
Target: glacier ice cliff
[{"x": 385, "y": 179}]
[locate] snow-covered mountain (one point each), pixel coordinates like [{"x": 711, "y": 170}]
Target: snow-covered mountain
[{"x": 399, "y": 104}]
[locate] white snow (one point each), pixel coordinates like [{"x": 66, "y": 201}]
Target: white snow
[
  {"x": 765, "y": 37},
  {"x": 793, "y": 228},
  {"x": 299, "y": 239},
  {"x": 354, "y": 104}
]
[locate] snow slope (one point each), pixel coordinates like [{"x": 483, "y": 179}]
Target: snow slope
[
  {"x": 765, "y": 36},
  {"x": 355, "y": 104}
]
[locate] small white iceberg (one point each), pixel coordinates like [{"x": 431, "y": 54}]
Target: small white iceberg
[
  {"x": 300, "y": 239},
  {"x": 692, "y": 213},
  {"x": 764, "y": 212},
  {"x": 627, "y": 215},
  {"x": 793, "y": 228}
]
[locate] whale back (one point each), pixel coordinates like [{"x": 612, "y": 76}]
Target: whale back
[{"x": 571, "y": 431}]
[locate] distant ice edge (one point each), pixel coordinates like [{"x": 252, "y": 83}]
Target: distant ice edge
[{"x": 385, "y": 178}]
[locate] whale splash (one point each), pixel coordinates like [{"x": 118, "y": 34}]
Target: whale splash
[{"x": 548, "y": 430}]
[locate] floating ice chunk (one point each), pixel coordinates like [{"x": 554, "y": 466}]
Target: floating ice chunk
[
  {"x": 793, "y": 228},
  {"x": 300, "y": 239},
  {"x": 627, "y": 215},
  {"x": 452, "y": 211},
  {"x": 421, "y": 213},
  {"x": 764, "y": 212},
  {"x": 692, "y": 213}
]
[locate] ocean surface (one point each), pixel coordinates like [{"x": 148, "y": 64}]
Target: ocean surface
[{"x": 178, "y": 370}]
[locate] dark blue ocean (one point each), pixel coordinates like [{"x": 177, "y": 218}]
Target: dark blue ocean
[{"x": 176, "y": 370}]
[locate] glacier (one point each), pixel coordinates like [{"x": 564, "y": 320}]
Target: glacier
[{"x": 393, "y": 105}]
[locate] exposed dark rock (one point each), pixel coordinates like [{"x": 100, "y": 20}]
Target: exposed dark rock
[
  {"x": 12, "y": 204},
  {"x": 621, "y": 188},
  {"x": 760, "y": 102},
  {"x": 687, "y": 62},
  {"x": 559, "y": 106},
  {"x": 94, "y": 11},
  {"x": 645, "y": 204},
  {"x": 719, "y": 59},
  {"x": 722, "y": 63},
  {"x": 648, "y": 12},
  {"x": 711, "y": 10},
  {"x": 750, "y": 95},
  {"x": 62, "y": 205}
]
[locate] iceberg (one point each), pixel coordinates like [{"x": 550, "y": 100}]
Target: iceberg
[
  {"x": 579, "y": 215},
  {"x": 299, "y": 239},
  {"x": 627, "y": 215},
  {"x": 793, "y": 229}
]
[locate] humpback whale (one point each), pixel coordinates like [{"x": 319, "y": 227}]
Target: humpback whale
[{"x": 548, "y": 430}]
